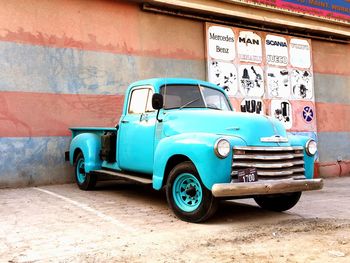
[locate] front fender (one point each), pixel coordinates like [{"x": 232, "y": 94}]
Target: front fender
[
  {"x": 90, "y": 145},
  {"x": 199, "y": 148},
  {"x": 299, "y": 140}
]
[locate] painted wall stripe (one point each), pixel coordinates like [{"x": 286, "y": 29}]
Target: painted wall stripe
[
  {"x": 333, "y": 117},
  {"x": 332, "y": 88},
  {"x": 331, "y": 58},
  {"x": 65, "y": 70},
  {"x": 333, "y": 145},
  {"x": 42, "y": 69},
  {"x": 107, "y": 26},
  {"x": 44, "y": 114},
  {"x": 34, "y": 161},
  {"x": 332, "y": 169}
]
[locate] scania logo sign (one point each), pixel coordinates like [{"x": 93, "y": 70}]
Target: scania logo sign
[{"x": 276, "y": 43}]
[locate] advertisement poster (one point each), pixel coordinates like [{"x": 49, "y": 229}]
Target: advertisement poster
[
  {"x": 251, "y": 80},
  {"x": 302, "y": 84},
  {"x": 276, "y": 50},
  {"x": 252, "y": 106},
  {"x": 264, "y": 73},
  {"x": 282, "y": 111},
  {"x": 249, "y": 47},
  {"x": 278, "y": 82},
  {"x": 300, "y": 53},
  {"x": 221, "y": 43},
  {"x": 224, "y": 74}
]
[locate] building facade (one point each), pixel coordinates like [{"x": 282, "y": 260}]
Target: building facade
[{"x": 67, "y": 63}]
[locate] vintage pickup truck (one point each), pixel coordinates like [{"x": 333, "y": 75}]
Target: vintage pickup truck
[{"x": 183, "y": 135}]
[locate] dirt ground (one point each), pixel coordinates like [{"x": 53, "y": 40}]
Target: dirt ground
[{"x": 121, "y": 222}]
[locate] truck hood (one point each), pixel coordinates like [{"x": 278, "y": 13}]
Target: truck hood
[{"x": 248, "y": 127}]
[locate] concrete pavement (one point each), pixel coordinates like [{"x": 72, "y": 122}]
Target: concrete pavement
[{"x": 124, "y": 222}]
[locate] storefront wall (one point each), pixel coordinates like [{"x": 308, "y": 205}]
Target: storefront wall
[{"x": 68, "y": 63}]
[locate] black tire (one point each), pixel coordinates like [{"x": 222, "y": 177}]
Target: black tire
[
  {"x": 278, "y": 202},
  {"x": 203, "y": 208},
  {"x": 85, "y": 181}
]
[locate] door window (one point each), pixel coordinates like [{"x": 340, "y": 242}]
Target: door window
[{"x": 141, "y": 101}]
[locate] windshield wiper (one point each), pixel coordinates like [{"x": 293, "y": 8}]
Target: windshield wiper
[{"x": 188, "y": 103}]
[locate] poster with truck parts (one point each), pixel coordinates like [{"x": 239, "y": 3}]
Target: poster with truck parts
[
  {"x": 224, "y": 74},
  {"x": 264, "y": 73}
]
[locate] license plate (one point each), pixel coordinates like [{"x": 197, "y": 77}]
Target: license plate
[{"x": 248, "y": 175}]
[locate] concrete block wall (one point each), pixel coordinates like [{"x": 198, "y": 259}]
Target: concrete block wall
[{"x": 67, "y": 63}]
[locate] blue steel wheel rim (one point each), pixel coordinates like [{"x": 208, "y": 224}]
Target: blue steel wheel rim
[
  {"x": 187, "y": 192},
  {"x": 81, "y": 176}
]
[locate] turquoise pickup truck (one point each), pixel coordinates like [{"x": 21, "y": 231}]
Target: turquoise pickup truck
[{"x": 183, "y": 136}]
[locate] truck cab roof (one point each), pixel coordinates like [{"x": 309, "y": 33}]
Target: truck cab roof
[{"x": 159, "y": 82}]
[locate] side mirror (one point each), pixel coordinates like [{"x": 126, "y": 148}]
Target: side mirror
[{"x": 157, "y": 101}]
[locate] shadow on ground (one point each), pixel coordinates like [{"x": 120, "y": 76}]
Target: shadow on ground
[{"x": 229, "y": 211}]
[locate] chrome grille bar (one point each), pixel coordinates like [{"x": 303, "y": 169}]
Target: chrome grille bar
[
  {"x": 276, "y": 173},
  {"x": 269, "y": 149},
  {"x": 271, "y": 162},
  {"x": 249, "y": 164},
  {"x": 268, "y": 156}
]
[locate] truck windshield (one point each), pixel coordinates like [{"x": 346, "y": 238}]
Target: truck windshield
[{"x": 193, "y": 96}]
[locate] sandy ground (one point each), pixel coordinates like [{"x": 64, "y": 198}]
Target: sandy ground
[{"x": 129, "y": 223}]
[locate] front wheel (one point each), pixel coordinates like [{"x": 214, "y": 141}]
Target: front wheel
[
  {"x": 85, "y": 181},
  {"x": 189, "y": 199},
  {"x": 278, "y": 202}
]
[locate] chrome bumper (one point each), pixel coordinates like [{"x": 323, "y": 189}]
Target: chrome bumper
[{"x": 264, "y": 187}]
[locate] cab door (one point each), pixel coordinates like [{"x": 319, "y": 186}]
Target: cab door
[{"x": 137, "y": 130}]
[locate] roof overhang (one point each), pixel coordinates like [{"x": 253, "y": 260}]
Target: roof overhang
[{"x": 239, "y": 13}]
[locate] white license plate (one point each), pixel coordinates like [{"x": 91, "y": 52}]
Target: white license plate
[{"x": 248, "y": 175}]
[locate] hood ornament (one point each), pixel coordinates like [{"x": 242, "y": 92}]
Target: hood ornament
[{"x": 274, "y": 138}]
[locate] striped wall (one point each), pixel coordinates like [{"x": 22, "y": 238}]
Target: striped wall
[
  {"x": 67, "y": 63},
  {"x": 332, "y": 92},
  {"x": 33, "y": 160}
]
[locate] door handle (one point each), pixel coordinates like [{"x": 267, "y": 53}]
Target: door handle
[{"x": 125, "y": 121}]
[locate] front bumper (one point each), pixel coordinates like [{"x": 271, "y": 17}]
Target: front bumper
[{"x": 264, "y": 187}]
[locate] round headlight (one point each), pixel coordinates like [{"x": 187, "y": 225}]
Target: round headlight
[
  {"x": 222, "y": 148},
  {"x": 311, "y": 147}
]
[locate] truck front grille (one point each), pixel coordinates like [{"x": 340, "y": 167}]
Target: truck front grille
[{"x": 270, "y": 162}]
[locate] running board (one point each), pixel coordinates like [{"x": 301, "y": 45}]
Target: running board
[{"x": 130, "y": 177}]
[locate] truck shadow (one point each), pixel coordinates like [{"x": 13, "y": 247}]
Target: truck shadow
[
  {"x": 244, "y": 210},
  {"x": 137, "y": 193},
  {"x": 229, "y": 211}
]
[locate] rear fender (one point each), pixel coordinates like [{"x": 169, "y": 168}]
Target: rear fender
[{"x": 90, "y": 145}]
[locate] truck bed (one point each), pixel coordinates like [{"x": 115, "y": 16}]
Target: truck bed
[{"x": 96, "y": 130}]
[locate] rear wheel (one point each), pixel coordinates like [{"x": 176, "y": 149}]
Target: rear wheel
[
  {"x": 189, "y": 199},
  {"x": 278, "y": 202},
  {"x": 85, "y": 181}
]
